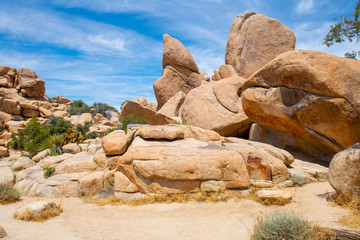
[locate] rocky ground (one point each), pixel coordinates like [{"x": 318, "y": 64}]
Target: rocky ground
[{"x": 233, "y": 219}]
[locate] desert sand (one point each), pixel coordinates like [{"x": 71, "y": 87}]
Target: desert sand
[{"x": 233, "y": 219}]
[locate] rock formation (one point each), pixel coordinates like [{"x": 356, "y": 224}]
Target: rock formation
[
  {"x": 344, "y": 172},
  {"x": 311, "y": 97},
  {"x": 254, "y": 40},
  {"x": 180, "y": 72},
  {"x": 217, "y": 106}
]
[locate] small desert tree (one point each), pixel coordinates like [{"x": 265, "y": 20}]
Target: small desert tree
[{"x": 346, "y": 28}]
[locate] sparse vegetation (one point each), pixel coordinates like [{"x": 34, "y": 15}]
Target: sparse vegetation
[
  {"x": 78, "y": 107},
  {"x": 72, "y": 136},
  {"x": 102, "y": 108},
  {"x": 51, "y": 212},
  {"x": 48, "y": 172},
  {"x": 132, "y": 119},
  {"x": 353, "y": 205},
  {"x": 91, "y": 135},
  {"x": 109, "y": 130},
  {"x": 83, "y": 128},
  {"x": 282, "y": 225},
  {"x": 58, "y": 125},
  {"x": 8, "y": 194}
]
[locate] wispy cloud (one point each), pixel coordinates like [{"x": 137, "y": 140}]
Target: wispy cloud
[{"x": 305, "y": 7}]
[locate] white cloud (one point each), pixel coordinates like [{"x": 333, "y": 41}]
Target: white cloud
[{"x": 305, "y": 6}]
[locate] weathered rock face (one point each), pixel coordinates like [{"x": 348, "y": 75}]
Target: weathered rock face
[
  {"x": 225, "y": 71},
  {"x": 30, "y": 84},
  {"x": 301, "y": 93},
  {"x": 171, "y": 108},
  {"x": 217, "y": 106},
  {"x": 180, "y": 72},
  {"x": 344, "y": 172},
  {"x": 114, "y": 143},
  {"x": 140, "y": 111},
  {"x": 254, "y": 40},
  {"x": 34, "y": 209}
]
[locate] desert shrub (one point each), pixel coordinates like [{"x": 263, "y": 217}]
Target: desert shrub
[
  {"x": 32, "y": 137},
  {"x": 297, "y": 180},
  {"x": 55, "y": 143},
  {"x": 102, "y": 108},
  {"x": 282, "y": 225},
  {"x": 91, "y": 135},
  {"x": 72, "y": 136},
  {"x": 132, "y": 119},
  {"x": 78, "y": 107},
  {"x": 48, "y": 171},
  {"x": 83, "y": 128},
  {"x": 8, "y": 193},
  {"x": 109, "y": 130},
  {"x": 58, "y": 125}
]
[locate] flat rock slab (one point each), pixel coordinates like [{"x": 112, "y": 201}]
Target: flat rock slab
[{"x": 274, "y": 195}]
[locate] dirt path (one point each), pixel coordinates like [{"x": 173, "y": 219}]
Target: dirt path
[{"x": 223, "y": 220}]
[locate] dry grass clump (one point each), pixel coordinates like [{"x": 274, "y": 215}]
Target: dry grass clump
[
  {"x": 207, "y": 197},
  {"x": 353, "y": 205},
  {"x": 8, "y": 194},
  {"x": 287, "y": 225},
  {"x": 41, "y": 217}
]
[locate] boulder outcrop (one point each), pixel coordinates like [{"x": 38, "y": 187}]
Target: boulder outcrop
[
  {"x": 344, "y": 172},
  {"x": 254, "y": 40},
  {"x": 217, "y": 106},
  {"x": 296, "y": 97},
  {"x": 180, "y": 72}
]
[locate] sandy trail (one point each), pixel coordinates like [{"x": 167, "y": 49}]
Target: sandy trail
[{"x": 233, "y": 219}]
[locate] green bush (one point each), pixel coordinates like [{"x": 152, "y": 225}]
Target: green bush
[
  {"x": 83, "y": 128},
  {"x": 282, "y": 225},
  {"x": 78, "y": 108},
  {"x": 58, "y": 125},
  {"x": 32, "y": 138},
  {"x": 91, "y": 135},
  {"x": 132, "y": 119},
  {"x": 102, "y": 108},
  {"x": 8, "y": 193},
  {"x": 48, "y": 172},
  {"x": 72, "y": 136}
]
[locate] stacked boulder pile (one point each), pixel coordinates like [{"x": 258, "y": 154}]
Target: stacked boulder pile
[{"x": 236, "y": 126}]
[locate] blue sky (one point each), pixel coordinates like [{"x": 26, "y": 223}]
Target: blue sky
[{"x": 111, "y": 50}]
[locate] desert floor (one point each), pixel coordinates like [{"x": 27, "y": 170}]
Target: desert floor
[{"x": 233, "y": 219}]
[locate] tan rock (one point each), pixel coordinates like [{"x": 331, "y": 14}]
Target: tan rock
[
  {"x": 81, "y": 162},
  {"x": 61, "y": 114},
  {"x": 299, "y": 93},
  {"x": 153, "y": 117},
  {"x": 2, "y": 232},
  {"x": 226, "y": 71},
  {"x": 275, "y": 196},
  {"x": 186, "y": 159},
  {"x": 217, "y": 106},
  {"x": 31, "y": 85},
  {"x": 51, "y": 161},
  {"x": 34, "y": 209},
  {"x": 45, "y": 112},
  {"x": 172, "y": 106},
  {"x": 204, "y": 78},
  {"x": 30, "y": 113},
  {"x": 115, "y": 143},
  {"x": 100, "y": 159},
  {"x": 5, "y": 117},
  {"x": 161, "y": 132},
  {"x": 71, "y": 148},
  {"x": 180, "y": 72},
  {"x": 23, "y": 163},
  {"x": 91, "y": 183},
  {"x": 11, "y": 106},
  {"x": 142, "y": 100},
  {"x": 6, "y": 173},
  {"x": 216, "y": 76},
  {"x": 4, "y": 151},
  {"x": 213, "y": 186},
  {"x": 123, "y": 184},
  {"x": 199, "y": 133},
  {"x": 251, "y": 42},
  {"x": 41, "y": 155},
  {"x": 344, "y": 172},
  {"x": 44, "y": 104}
]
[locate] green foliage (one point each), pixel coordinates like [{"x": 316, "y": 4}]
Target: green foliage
[
  {"x": 72, "y": 136},
  {"x": 352, "y": 55},
  {"x": 8, "y": 193},
  {"x": 55, "y": 143},
  {"x": 83, "y": 128},
  {"x": 58, "y": 125},
  {"x": 78, "y": 108},
  {"x": 48, "y": 171},
  {"x": 109, "y": 130},
  {"x": 102, "y": 108},
  {"x": 345, "y": 28},
  {"x": 122, "y": 104},
  {"x": 282, "y": 225},
  {"x": 132, "y": 119},
  {"x": 32, "y": 137},
  {"x": 91, "y": 135}
]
